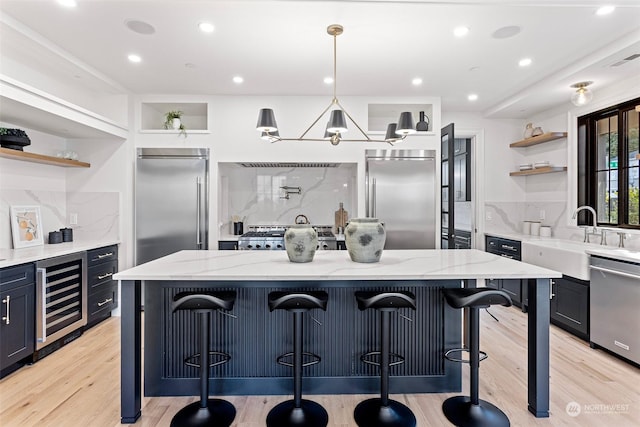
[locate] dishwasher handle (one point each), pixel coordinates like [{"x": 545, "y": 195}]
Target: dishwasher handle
[{"x": 616, "y": 272}]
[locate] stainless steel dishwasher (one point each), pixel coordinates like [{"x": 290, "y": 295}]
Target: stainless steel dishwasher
[{"x": 615, "y": 298}]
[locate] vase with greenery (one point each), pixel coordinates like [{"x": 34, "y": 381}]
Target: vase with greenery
[
  {"x": 14, "y": 139},
  {"x": 173, "y": 121}
]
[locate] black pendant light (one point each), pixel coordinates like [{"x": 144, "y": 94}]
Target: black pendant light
[{"x": 338, "y": 119}]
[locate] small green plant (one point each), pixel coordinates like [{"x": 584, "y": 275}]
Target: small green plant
[
  {"x": 170, "y": 116},
  {"x": 18, "y": 133}
]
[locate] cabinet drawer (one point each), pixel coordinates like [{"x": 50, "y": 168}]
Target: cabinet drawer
[
  {"x": 103, "y": 301},
  {"x": 100, "y": 255},
  {"x": 12, "y": 277},
  {"x": 100, "y": 274},
  {"x": 504, "y": 247}
]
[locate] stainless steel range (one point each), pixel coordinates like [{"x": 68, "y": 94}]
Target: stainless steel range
[{"x": 271, "y": 237}]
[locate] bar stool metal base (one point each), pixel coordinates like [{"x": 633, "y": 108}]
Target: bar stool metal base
[
  {"x": 309, "y": 414},
  {"x": 217, "y": 413},
  {"x": 371, "y": 413},
  {"x": 461, "y": 412}
]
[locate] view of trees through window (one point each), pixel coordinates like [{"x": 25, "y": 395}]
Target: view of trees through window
[{"x": 609, "y": 149}]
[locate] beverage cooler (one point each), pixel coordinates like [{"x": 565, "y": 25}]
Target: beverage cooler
[{"x": 61, "y": 301}]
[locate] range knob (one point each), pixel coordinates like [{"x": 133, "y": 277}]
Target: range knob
[
  {"x": 258, "y": 246},
  {"x": 267, "y": 246},
  {"x": 249, "y": 246}
]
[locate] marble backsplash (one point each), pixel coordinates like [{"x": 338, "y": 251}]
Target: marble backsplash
[
  {"x": 507, "y": 217},
  {"x": 255, "y": 194},
  {"x": 98, "y": 213}
]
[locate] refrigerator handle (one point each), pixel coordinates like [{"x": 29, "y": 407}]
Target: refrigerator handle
[
  {"x": 198, "y": 207},
  {"x": 373, "y": 198}
]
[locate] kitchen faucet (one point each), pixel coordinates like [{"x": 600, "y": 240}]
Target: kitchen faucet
[{"x": 586, "y": 229}]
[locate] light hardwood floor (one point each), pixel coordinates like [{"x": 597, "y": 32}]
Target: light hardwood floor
[{"x": 79, "y": 385}]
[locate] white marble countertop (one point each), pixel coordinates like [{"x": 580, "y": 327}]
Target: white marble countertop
[
  {"x": 618, "y": 254},
  {"x": 11, "y": 257},
  {"x": 611, "y": 252},
  {"x": 431, "y": 264}
]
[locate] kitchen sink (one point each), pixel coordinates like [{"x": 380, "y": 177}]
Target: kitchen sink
[{"x": 564, "y": 256}]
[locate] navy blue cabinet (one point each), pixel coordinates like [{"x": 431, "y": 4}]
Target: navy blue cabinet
[{"x": 17, "y": 309}]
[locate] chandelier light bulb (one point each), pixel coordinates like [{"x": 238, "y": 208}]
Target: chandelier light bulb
[{"x": 582, "y": 95}]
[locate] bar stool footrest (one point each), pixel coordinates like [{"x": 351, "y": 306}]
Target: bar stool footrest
[
  {"x": 371, "y": 357},
  {"x": 223, "y": 358},
  {"x": 448, "y": 356},
  {"x": 312, "y": 359}
]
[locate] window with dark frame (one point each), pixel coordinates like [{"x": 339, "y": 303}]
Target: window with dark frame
[{"x": 608, "y": 165}]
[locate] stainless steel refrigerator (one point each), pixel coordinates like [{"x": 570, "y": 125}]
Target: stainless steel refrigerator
[
  {"x": 400, "y": 192},
  {"x": 171, "y": 201}
]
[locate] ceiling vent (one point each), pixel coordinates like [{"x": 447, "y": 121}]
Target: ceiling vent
[
  {"x": 289, "y": 165},
  {"x": 625, "y": 60}
]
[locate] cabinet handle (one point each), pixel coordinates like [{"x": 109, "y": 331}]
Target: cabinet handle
[
  {"x": 506, "y": 256},
  {"x": 551, "y": 293},
  {"x": 508, "y": 247},
  {"x": 100, "y": 256},
  {"x": 108, "y": 300},
  {"x": 104, "y": 276},
  {"x": 6, "y": 301}
]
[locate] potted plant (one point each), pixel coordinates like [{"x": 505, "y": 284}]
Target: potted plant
[
  {"x": 14, "y": 139},
  {"x": 173, "y": 121}
]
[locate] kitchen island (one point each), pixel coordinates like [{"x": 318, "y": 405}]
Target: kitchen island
[{"x": 255, "y": 337}]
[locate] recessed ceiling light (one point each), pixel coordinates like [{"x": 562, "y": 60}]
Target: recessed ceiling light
[
  {"x": 472, "y": 97},
  {"x": 605, "y": 10},
  {"x": 139, "y": 27},
  {"x": 134, "y": 58},
  {"x": 206, "y": 27},
  {"x": 238, "y": 79},
  {"x": 460, "y": 31},
  {"x": 417, "y": 81},
  {"x": 68, "y": 3},
  {"x": 525, "y": 62},
  {"x": 506, "y": 32},
  {"x": 190, "y": 65},
  {"x": 328, "y": 80}
]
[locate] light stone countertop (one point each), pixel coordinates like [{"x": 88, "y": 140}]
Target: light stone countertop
[
  {"x": 11, "y": 257},
  {"x": 611, "y": 252},
  {"x": 618, "y": 254},
  {"x": 428, "y": 264}
]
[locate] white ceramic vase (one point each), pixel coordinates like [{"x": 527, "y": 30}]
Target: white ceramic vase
[
  {"x": 364, "y": 238},
  {"x": 300, "y": 241},
  {"x": 175, "y": 123}
]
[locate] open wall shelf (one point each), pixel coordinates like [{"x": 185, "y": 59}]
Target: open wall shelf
[
  {"x": 40, "y": 158},
  {"x": 538, "y": 171},
  {"x": 535, "y": 140}
]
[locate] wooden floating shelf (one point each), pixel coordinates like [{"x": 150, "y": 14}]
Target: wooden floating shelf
[
  {"x": 39, "y": 158},
  {"x": 535, "y": 140},
  {"x": 538, "y": 171}
]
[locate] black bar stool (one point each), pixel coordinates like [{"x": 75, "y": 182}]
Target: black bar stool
[
  {"x": 383, "y": 411},
  {"x": 465, "y": 411},
  {"x": 206, "y": 412},
  {"x": 298, "y": 412}
]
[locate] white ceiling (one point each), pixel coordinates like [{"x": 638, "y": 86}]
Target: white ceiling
[{"x": 282, "y": 48}]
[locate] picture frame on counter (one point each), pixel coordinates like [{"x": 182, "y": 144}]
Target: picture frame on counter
[{"x": 26, "y": 226}]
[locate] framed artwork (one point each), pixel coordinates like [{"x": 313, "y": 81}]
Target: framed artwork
[{"x": 26, "y": 226}]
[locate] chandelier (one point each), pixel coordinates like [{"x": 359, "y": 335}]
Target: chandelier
[{"x": 337, "y": 124}]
